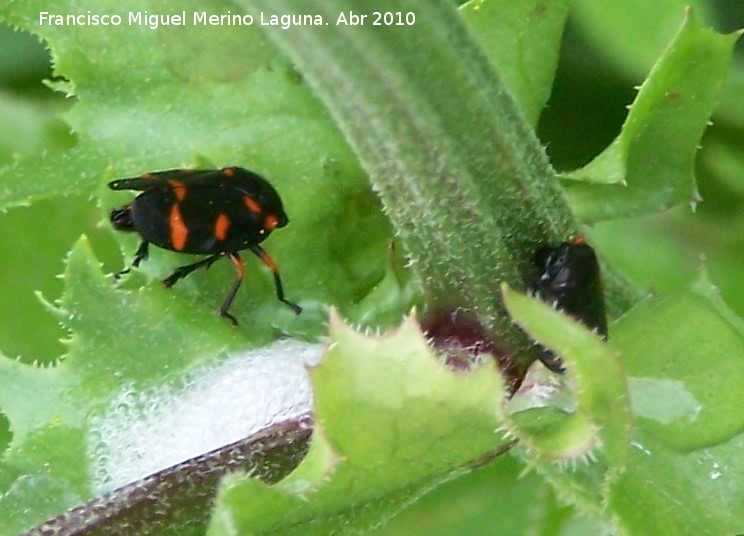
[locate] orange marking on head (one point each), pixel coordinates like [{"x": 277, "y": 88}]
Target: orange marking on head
[
  {"x": 179, "y": 233},
  {"x": 146, "y": 176},
  {"x": 578, "y": 240},
  {"x": 221, "y": 226},
  {"x": 271, "y": 222},
  {"x": 179, "y": 189},
  {"x": 229, "y": 172},
  {"x": 253, "y": 205}
]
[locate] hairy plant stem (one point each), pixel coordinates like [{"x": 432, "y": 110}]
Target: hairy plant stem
[{"x": 461, "y": 174}]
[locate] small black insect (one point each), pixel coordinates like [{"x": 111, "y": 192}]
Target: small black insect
[
  {"x": 215, "y": 212},
  {"x": 570, "y": 278}
]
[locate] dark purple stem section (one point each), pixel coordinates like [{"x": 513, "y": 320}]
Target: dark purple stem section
[{"x": 178, "y": 500}]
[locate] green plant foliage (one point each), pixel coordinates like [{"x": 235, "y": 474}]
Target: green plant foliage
[
  {"x": 649, "y": 166},
  {"x": 49, "y": 227},
  {"x": 178, "y": 109},
  {"x": 50, "y": 408},
  {"x": 472, "y": 504},
  {"x": 685, "y": 376},
  {"x": 599, "y": 67},
  {"x": 647, "y": 29},
  {"x": 587, "y": 434},
  {"x": 440, "y": 117},
  {"x": 598, "y": 426},
  {"x": 505, "y": 31},
  {"x": 365, "y": 464},
  {"x": 685, "y": 434},
  {"x": 468, "y": 158}
]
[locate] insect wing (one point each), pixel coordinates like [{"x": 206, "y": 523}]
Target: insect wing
[{"x": 147, "y": 181}]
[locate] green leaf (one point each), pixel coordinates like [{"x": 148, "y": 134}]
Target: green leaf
[
  {"x": 499, "y": 498},
  {"x": 493, "y": 499},
  {"x": 682, "y": 353},
  {"x": 646, "y": 29},
  {"x": 36, "y": 240},
  {"x": 597, "y": 427},
  {"x": 391, "y": 422},
  {"x": 140, "y": 93},
  {"x": 507, "y": 33},
  {"x": 71, "y": 423},
  {"x": 118, "y": 364},
  {"x": 103, "y": 349},
  {"x": 649, "y": 166},
  {"x": 731, "y": 110},
  {"x": 594, "y": 375},
  {"x": 391, "y": 298}
]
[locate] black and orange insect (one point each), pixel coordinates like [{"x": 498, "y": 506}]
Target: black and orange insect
[
  {"x": 570, "y": 279},
  {"x": 209, "y": 212}
]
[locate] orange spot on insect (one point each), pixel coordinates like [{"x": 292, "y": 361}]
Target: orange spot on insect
[
  {"x": 179, "y": 189},
  {"x": 228, "y": 172},
  {"x": 179, "y": 233},
  {"x": 221, "y": 226},
  {"x": 578, "y": 240},
  {"x": 271, "y": 222},
  {"x": 253, "y": 205},
  {"x": 146, "y": 176}
]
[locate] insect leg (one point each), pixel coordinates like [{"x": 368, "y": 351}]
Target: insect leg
[
  {"x": 268, "y": 261},
  {"x": 182, "y": 271},
  {"x": 240, "y": 268},
  {"x": 141, "y": 255},
  {"x": 549, "y": 359}
]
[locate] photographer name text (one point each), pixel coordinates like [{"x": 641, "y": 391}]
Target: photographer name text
[{"x": 202, "y": 18}]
